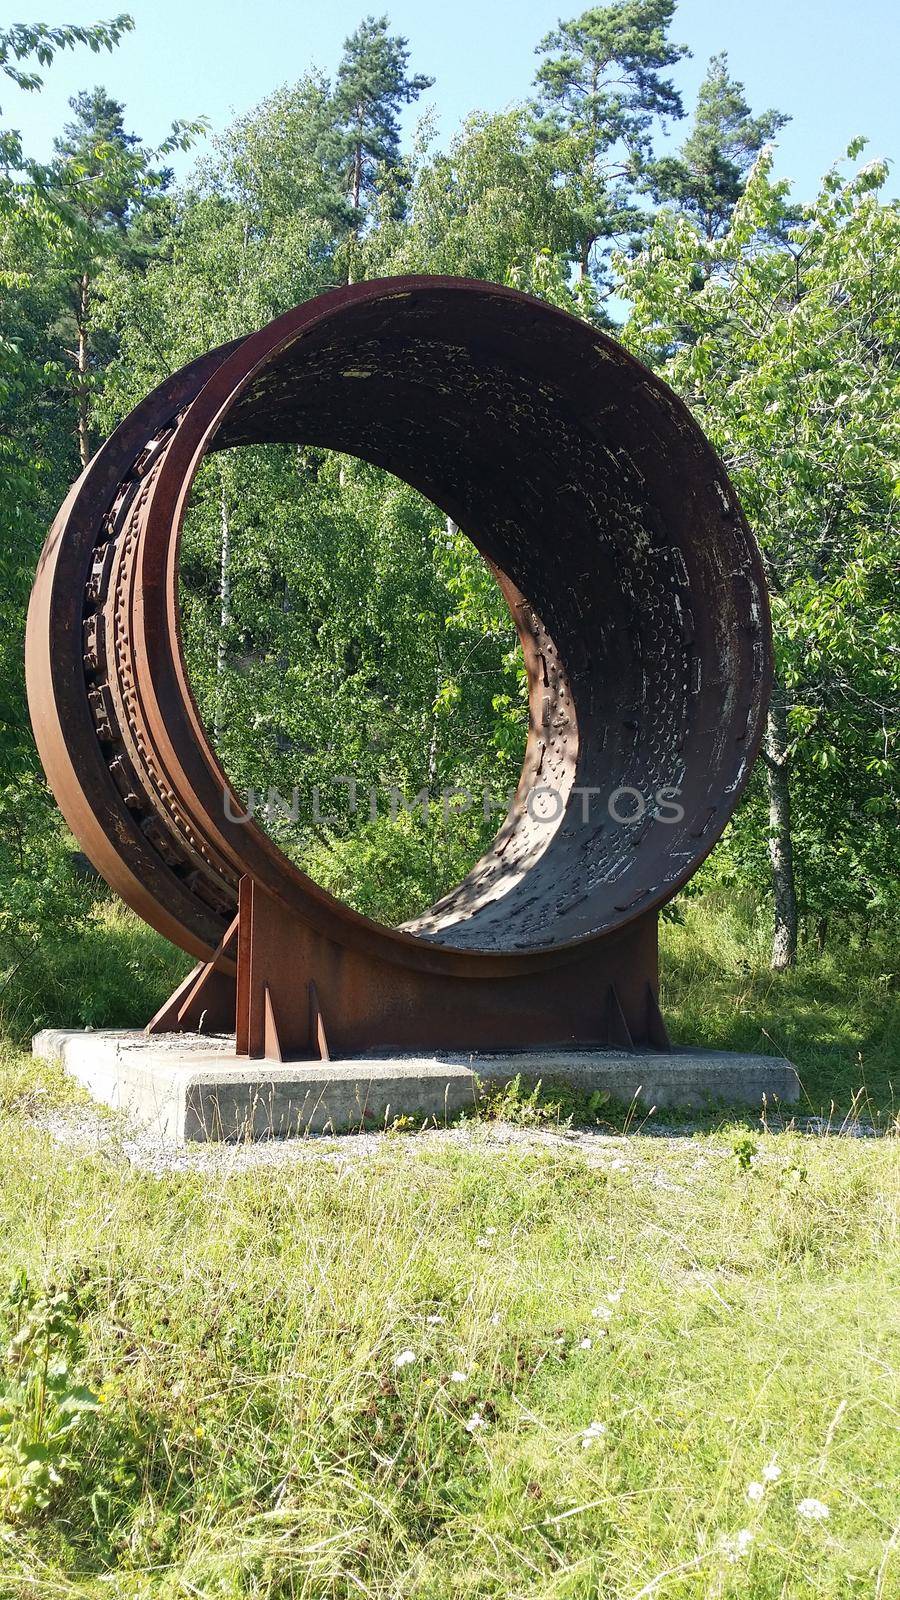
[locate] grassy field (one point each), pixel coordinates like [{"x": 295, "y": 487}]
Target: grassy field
[
  {"x": 438, "y": 1366},
  {"x": 836, "y": 1015},
  {"x": 447, "y": 1370}
]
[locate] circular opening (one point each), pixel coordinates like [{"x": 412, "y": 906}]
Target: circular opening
[
  {"x": 357, "y": 669},
  {"x": 617, "y": 541}
]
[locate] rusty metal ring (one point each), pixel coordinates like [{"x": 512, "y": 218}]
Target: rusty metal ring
[{"x": 612, "y": 528}]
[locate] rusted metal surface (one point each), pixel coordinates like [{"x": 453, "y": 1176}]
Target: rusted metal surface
[{"x": 639, "y": 598}]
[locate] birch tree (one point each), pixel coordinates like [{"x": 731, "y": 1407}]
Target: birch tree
[{"x": 789, "y": 354}]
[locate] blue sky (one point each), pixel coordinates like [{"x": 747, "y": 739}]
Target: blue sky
[{"x": 833, "y": 67}]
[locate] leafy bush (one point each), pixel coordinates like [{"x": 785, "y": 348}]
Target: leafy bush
[
  {"x": 42, "y": 1405},
  {"x": 526, "y": 1103}
]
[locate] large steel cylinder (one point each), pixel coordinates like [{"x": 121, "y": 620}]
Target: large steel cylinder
[{"x": 613, "y": 530}]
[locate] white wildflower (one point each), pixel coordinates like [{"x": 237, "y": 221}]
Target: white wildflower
[
  {"x": 585, "y": 1344},
  {"x": 771, "y": 1471},
  {"x": 603, "y": 1313},
  {"x": 495, "y": 1320},
  {"x": 435, "y": 1320},
  {"x": 615, "y": 1295},
  {"x": 459, "y": 1377},
  {"x": 475, "y": 1422},
  {"x": 592, "y": 1433},
  {"x": 755, "y": 1492},
  {"x": 813, "y": 1510},
  {"x": 404, "y": 1359},
  {"x": 736, "y": 1545}
]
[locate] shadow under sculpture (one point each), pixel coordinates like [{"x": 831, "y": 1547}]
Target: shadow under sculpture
[{"x": 639, "y": 598}]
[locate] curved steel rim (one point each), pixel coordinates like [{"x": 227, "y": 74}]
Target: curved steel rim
[{"x": 168, "y": 708}]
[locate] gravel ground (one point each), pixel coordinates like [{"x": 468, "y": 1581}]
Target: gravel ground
[
  {"x": 90, "y": 1130},
  {"x": 99, "y": 1132}
]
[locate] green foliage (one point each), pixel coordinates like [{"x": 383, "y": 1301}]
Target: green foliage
[
  {"x": 601, "y": 88},
  {"x": 489, "y": 207},
  {"x": 783, "y": 337},
  {"x": 42, "y": 1404},
  {"x": 835, "y": 1016},
  {"x": 263, "y": 226},
  {"x": 101, "y": 172},
  {"x": 372, "y": 84},
  {"x": 100, "y": 200},
  {"x": 552, "y": 1102},
  {"x": 706, "y": 180},
  {"x": 79, "y": 961},
  {"x": 391, "y": 871},
  {"x": 745, "y": 1151},
  {"x": 24, "y": 41},
  {"x": 365, "y": 641},
  {"x": 58, "y": 223},
  {"x": 38, "y": 424}
]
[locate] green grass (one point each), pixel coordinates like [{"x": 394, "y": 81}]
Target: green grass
[
  {"x": 254, "y": 1438},
  {"x": 836, "y": 1016},
  {"x": 257, "y": 1438},
  {"x": 114, "y": 976}
]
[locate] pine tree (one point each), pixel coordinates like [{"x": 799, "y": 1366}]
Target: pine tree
[
  {"x": 97, "y": 131},
  {"x": 105, "y": 186},
  {"x": 707, "y": 178},
  {"x": 601, "y": 88},
  {"x": 372, "y": 84}
]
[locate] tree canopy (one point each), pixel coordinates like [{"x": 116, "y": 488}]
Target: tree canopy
[{"x": 707, "y": 178}]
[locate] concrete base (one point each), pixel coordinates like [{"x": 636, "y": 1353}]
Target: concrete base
[{"x": 192, "y": 1086}]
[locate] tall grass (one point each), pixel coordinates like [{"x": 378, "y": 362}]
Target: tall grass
[
  {"x": 113, "y": 975},
  {"x": 836, "y": 1015},
  {"x": 444, "y": 1372},
  {"x": 448, "y": 1373}
]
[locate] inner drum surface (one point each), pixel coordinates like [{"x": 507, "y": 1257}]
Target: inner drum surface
[{"x": 589, "y": 487}]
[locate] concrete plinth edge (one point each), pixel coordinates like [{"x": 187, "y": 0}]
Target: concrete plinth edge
[{"x": 185, "y": 1087}]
